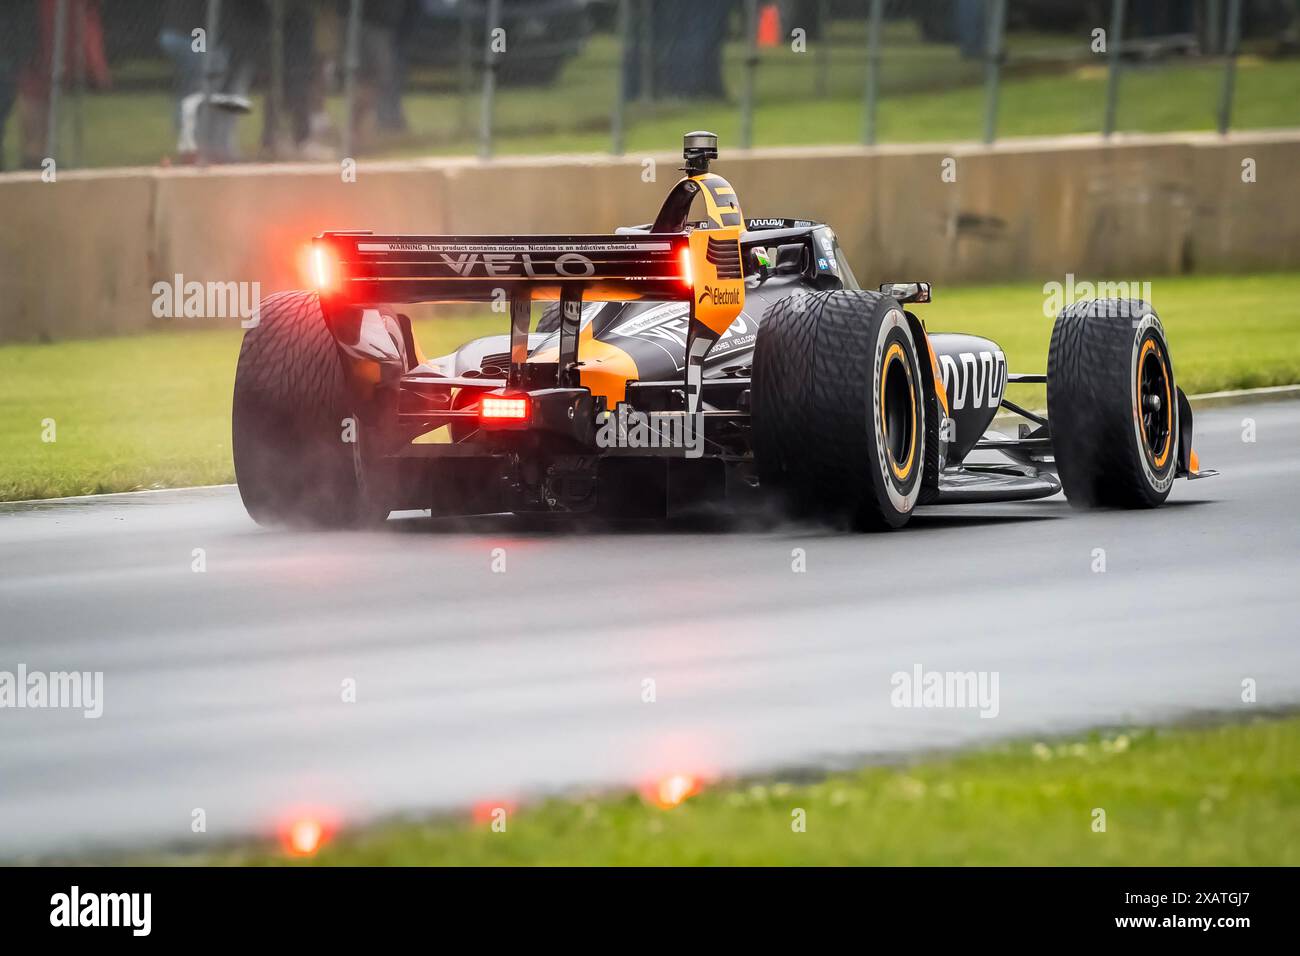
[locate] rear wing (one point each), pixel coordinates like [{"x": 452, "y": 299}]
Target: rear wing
[
  {"x": 353, "y": 268},
  {"x": 702, "y": 267}
]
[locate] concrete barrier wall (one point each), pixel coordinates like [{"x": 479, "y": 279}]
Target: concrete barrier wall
[{"x": 80, "y": 256}]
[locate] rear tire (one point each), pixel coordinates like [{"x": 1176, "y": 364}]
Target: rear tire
[
  {"x": 838, "y": 407},
  {"x": 1113, "y": 404},
  {"x": 294, "y": 461}
]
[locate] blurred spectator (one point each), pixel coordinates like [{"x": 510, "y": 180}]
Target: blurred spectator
[
  {"x": 15, "y": 47},
  {"x": 303, "y": 87},
  {"x": 212, "y": 84},
  {"x": 304, "y": 93},
  {"x": 382, "y": 75},
  {"x": 34, "y": 81},
  {"x": 1164, "y": 19},
  {"x": 686, "y": 63},
  {"x": 971, "y": 19},
  {"x": 180, "y": 18},
  {"x": 312, "y": 49}
]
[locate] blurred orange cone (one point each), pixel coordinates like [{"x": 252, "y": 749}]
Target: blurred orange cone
[{"x": 769, "y": 25}]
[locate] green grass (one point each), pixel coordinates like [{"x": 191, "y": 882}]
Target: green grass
[
  {"x": 1162, "y": 99},
  {"x": 1224, "y": 331},
  {"x": 152, "y": 411},
  {"x": 133, "y": 412},
  {"x": 139, "y": 411},
  {"x": 1223, "y": 796},
  {"x": 928, "y": 93}
]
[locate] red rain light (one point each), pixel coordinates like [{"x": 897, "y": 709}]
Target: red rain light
[
  {"x": 674, "y": 789},
  {"x": 502, "y": 408},
  {"x": 687, "y": 274},
  {"x": 321, "y": 272},
  {"x": 304, "y": 836},
  {"x": 488, "y": 811}
]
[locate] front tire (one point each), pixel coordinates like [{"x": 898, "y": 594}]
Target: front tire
[
  {"x": 305, "y": 447},
  {"x": 838, "y": 407},
  {"x": 1113, "y": 404}
]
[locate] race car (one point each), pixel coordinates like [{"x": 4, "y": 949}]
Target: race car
[{"x": 682, "y": 364}]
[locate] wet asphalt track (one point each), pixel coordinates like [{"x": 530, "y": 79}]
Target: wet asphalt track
[{"x": 223, "y": 689}]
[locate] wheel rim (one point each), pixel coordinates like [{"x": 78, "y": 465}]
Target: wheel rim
[
  {"x": 1155, "y": 403},
  {"x": 898, "y": 411}
]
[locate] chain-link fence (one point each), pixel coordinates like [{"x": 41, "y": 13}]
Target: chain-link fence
[{"x": 124, "y": 82}]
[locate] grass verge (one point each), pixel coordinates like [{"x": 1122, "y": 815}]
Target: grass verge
[
  {"x": 1219, "y": 796},
  {"x": 152, "y": 411}
]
